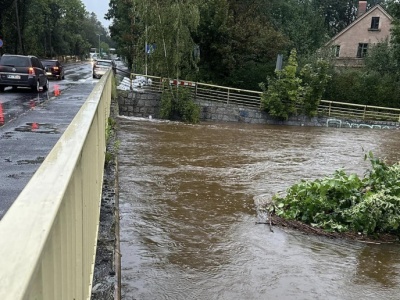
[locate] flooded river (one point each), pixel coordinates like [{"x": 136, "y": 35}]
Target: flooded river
[{"x": 188, "y": 205}]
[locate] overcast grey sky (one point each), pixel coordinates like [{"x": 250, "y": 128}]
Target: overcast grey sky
[{"x": 100, "y": 8}]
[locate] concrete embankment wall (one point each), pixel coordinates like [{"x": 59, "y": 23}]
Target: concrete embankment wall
[{"x": 144, "y": 104}]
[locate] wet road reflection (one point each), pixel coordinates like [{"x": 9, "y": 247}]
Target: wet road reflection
[
  {"x": 20, "y": 103},
  {"x": 188, "y": 205},
  {"x": 15, "y": 101},
  {"x": 38, "y": 128}
]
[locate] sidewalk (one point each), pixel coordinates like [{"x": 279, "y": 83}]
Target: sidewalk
[{"x": 26, "y": 140}]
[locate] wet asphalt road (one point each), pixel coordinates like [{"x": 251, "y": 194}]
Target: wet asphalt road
[{"x": 31, "y": 123}]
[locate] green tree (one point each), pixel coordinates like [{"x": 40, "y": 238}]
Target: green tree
[
  {"x": 315, "y": 78},
  {"x": 237, "y": 42},
  {"x": 284, "y": 93},
  {"x": 125, "y": 30},
  {"x": 337, "y": 14},
  {"x": 45, "y": 27},
  {"x": 301, "y": 22},
  {"x": 169, "y": 25},
  {"x": 381, "y": 59}
]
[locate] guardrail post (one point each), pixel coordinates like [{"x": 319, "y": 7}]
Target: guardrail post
[
  {"x": 227, "y": 100},
  {"x": 365, "y": 110},
  {"x": 330, "y": 106}
]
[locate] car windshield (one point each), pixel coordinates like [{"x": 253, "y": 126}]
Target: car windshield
[
  {"x": 49, "y": 62},
  {"x": 103, "y": 63},
  {"x": 15, "y": 61}
]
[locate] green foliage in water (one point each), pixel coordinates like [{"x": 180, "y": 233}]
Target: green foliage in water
[
  {"x": 177, "y": 104},
  {"x": 343, "y": 203}
]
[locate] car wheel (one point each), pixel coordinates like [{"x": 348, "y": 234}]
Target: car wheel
[
  {"x": 36, "y": 87},
  {"x": 46, "y": 86},
  {"x": 2, "y": 88}
]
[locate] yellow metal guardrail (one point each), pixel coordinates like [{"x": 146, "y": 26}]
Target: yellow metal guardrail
[
  {"x": 248, "y": 98},
  {"x": 49, "y": 234},
  {"x": 358, "y": 111}
]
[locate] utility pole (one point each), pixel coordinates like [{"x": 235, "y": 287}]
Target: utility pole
[
  {"x": 99, "y": 44},
  {"x": 145, "y": 44}
]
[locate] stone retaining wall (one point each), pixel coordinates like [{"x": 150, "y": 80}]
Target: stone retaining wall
[{"x": 140, "y": 103}]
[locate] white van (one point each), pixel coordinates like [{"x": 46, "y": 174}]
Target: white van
[{"x": 93, "y": 57}]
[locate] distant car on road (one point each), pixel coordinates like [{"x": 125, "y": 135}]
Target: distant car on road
[
  {"x": 22, "y": 71},
  {"x": 53, "y": 68},
  {"x": 101, "y": 66},
  {"x": 93, "y": 57}
]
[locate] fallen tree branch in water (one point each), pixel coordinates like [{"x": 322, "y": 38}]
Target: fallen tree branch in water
[{"x": 308, "y": 229}]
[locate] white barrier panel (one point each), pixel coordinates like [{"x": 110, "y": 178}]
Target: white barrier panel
[{"x": 49, "y": 234}]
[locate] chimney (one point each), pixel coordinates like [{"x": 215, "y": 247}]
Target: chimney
[{"x": 362, "y": 8}]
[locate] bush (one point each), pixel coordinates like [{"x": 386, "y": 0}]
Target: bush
[
  {"x": 344, "y": 202},
  {"x": 177, "y": 104},
  {"x": 292, "y": 94},
  {"x": 283, "y": 95}
]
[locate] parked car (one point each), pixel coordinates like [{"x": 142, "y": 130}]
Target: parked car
[
  {"x": 22, "y": 71},
  {"x": 53, "y": 68},
  {"x": 101, "y": 66}
]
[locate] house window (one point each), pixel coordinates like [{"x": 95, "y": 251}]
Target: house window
[
  {"x": 375, "y": 23},
  {"x": 336, "y": 50},
  {"x": 362, "y": 50}
]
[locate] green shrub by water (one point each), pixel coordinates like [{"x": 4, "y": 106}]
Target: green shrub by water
[
  {"x": 177, "y": 104},
  {"x": 343, "y": 203}
]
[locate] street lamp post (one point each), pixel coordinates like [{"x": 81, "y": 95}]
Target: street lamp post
[{"x": 99, "y": 43}]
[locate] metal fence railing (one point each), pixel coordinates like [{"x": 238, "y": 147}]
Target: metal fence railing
[
  {"x": 358, "y": 111},
  {"x": 248, "y": 98},
  {"x": 49, "y": 234}
]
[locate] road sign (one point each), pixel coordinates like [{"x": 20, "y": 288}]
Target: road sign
[
  {"x": 1, "y": 43},
  {"x": 279, "y": 61},
  {"x": 150, "y": 48}
]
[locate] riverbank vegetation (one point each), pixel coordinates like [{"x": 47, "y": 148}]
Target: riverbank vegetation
[
  {"x": 346, "y": 203},
  {"x": 236, "y": 43},
  {"x": 292, "y": 92},
  {"x": 177, "y": 104}
]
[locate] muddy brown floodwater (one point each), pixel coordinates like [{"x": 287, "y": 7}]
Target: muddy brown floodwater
[{"x": 188, "y": 204}]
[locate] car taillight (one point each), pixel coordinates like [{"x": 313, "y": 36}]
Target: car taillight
[{"x": 31, "y": 71}]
